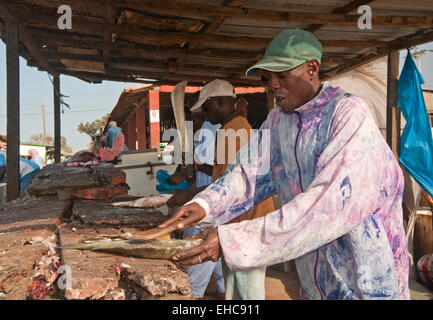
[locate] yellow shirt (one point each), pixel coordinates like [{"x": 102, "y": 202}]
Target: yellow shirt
[{"x": 238, "y": 123}]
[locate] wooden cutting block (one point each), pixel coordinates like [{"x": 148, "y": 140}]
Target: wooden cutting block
[
  {"x": 24, "y": 224},
  {"x": 97, "y": 275},
  {"x": 101, "y": 193},
  {"x": 55, "y": 178},
  {"x": 101, "y": 213}
]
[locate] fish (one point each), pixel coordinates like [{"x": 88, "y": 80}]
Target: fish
[
  {"x": 145, "y": 202},
  {"x": 148, "y": 249}
]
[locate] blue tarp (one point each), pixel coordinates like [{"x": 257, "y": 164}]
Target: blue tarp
[
  {"x": 416, "y": 152},
  {"x": 165, "y": 187}
]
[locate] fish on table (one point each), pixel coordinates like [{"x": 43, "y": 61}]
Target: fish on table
[
  {"x": 149, "y": 201},
  {"x": 149, "y": 249}
]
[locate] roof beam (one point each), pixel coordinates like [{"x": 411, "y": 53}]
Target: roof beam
[
  {"x": 121, "y": 75},
  {"x": 148, "y": 36},
  {"x": 109, "y": 38},
  {"x": 136, "y": 64},
  {"x": 235, "y": 3},
  {"x": 26, "y": 39},
  {"x": 158, "y": 53},
  {"x": 196, "y": 10}
]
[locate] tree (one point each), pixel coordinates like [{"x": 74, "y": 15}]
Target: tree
[
  {"x": 93, "y": 129},
  {"x": 39, "y": 139}
]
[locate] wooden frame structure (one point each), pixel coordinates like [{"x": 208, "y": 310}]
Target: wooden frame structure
[
  {"x": 133, "y": 109},
  {"x": 194, "y": 40}
]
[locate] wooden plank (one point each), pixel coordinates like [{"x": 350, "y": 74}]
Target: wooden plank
[
  {"x": 108, "y": 36},
  {"x": 214, "y": 25},
  {"x": 13, "y": 110},
  {"x": 235, "y": 3},
  {"x": 75, "y": 51},
  {"x": 83, "y": 65},
  {"x": 141, "y": 127},
  {"x": 132, "y": 132},
  {"x": 171, "y": 38},
  {"x": 392, "y": 111},
  {"x": 351, "y": 6},
  {"x": 172, "y": 76},
  {"x": 152, "y": 56},
  {"x": 200, "y": 10},
  {"x": 57, "y": 118}
]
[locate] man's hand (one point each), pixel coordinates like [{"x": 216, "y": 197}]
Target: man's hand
[
  {"x": 183, "y": 196},
  {"x": 209, "y": 250},
  {"x": 176, "y": 178},
  {"x": 180, "y": 197},
  {"x": 185, "y": 216}
]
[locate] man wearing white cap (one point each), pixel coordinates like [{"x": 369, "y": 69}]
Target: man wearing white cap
[
  {"x": 340, "y": 185},
  {"x": 217, "y": 101}
]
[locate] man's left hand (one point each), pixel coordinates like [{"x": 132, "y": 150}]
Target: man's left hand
[{"x": 209, "y": 250}]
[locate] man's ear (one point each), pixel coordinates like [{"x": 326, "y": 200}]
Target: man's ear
[{"x": 313, "y": 68}]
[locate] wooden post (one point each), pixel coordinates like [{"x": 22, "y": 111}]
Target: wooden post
[
  {"x": 57, "y": 131},
  {"x": 132, "y": 133},
  {"x": 43, "y": 124},
  {"x": 141, "y": 127},
  {"x": 393, "y": 113},
  {"x": 124, "y": 127},
  {"x": 13, "y": 111},
  {"x": 154, "y": 119}
]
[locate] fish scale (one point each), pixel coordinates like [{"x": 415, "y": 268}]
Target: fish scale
[{"x": 149, "y": 249}]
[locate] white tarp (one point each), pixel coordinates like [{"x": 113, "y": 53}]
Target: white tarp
[{"x": 369, "y": 83}]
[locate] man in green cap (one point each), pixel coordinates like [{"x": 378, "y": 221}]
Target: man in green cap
[{"x": 340, "y": 186}]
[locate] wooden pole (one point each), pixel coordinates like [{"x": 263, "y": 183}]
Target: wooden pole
[
  {"x": 154, "y": 119},
  {"x": 393, "y": 113},
  {"x": 43, "y": 124},
  {"x": 57, "y": 131},
  {"x": 13, "y": 111}
]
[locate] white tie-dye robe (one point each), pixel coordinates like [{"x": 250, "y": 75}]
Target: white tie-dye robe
[{"x": 341, "y": 190}]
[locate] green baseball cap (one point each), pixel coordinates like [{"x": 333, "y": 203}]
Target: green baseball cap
[{"x": 289, "y": 49}]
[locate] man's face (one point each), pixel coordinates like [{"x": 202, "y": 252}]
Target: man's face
[
  {"x": 212, "y": 111},
  {"x": 291, "y": 88}
]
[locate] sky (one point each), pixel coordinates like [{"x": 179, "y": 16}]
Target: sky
[{"x": 89, "y": 102}]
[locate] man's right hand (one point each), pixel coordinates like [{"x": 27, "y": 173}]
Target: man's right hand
[
  {"x": 180, "y": 197},
  {"x": 185, "y": 217}
]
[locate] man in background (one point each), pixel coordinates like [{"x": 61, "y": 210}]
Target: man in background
[
  {"x": 36, "y": 158},
  {"x": 217, "y": 101},
  {"x": 115, "y": 142}
]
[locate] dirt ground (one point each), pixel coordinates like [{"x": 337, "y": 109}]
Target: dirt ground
[
  {"x": 282, "y": 285},
  {"x": 279, "y": 285}
]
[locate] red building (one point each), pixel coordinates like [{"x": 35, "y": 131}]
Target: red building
[{"x": 144, "y": 112}]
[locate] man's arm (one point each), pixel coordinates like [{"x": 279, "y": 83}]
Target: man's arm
[
  {"x": 183, "y": 196},
  {"x": 356, "y": 176},
  {"x": 205, "y": 168}
]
